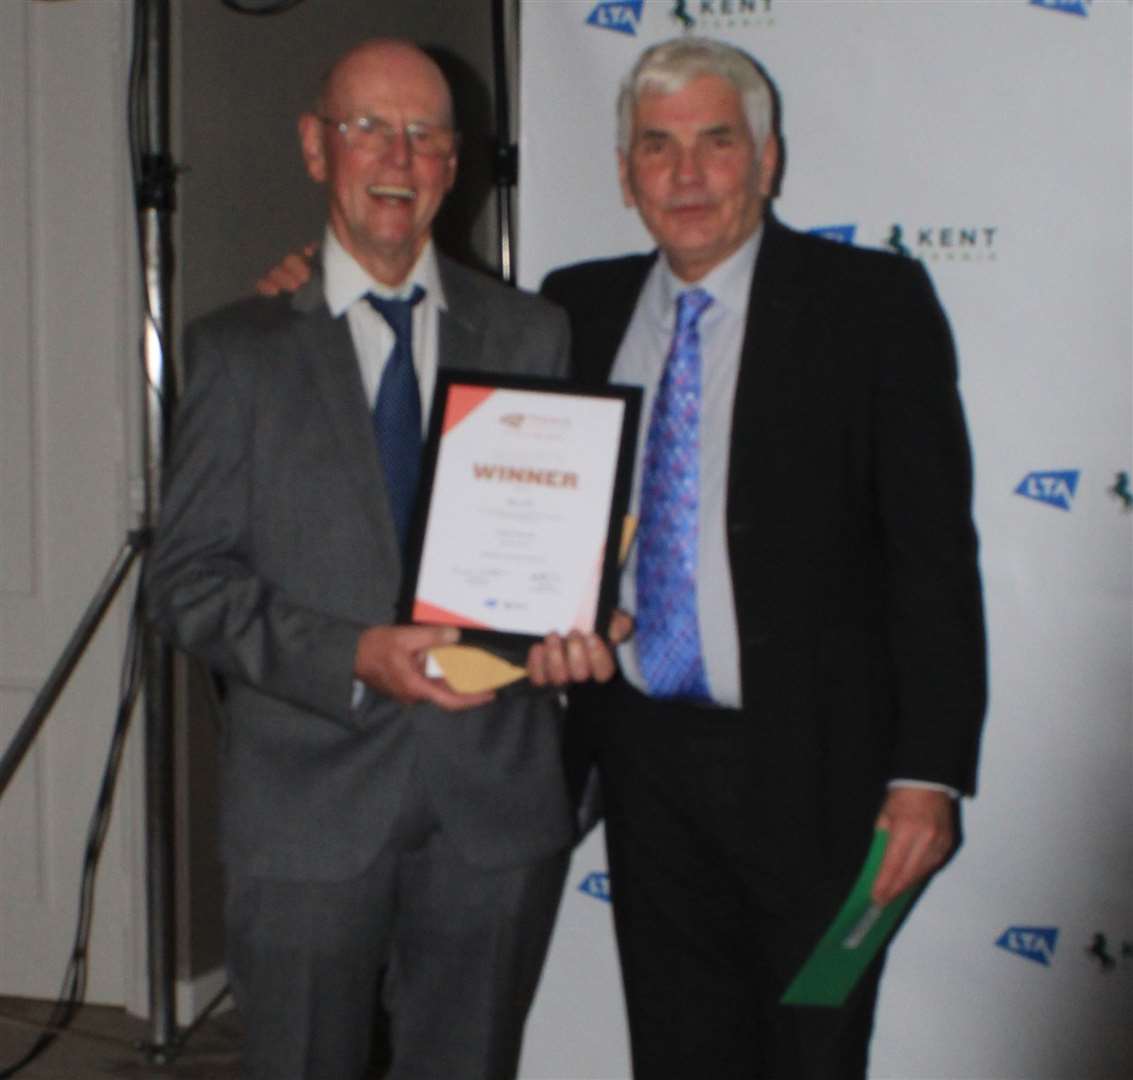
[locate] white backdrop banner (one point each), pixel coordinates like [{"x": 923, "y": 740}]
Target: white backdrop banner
[{"x": 990, "y": 139}]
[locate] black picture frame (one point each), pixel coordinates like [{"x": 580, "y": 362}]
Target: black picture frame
[{"x": 427, "y": 514}]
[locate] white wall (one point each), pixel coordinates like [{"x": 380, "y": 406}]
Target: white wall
[{"x": 68, "y": 373}]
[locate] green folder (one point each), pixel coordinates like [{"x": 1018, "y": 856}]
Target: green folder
[{"x": 858, "y": 931}]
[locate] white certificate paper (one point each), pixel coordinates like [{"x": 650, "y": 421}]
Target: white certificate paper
[{"x": 520, "y": 506}]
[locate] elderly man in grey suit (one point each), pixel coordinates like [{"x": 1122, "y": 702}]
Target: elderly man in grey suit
[{"x": 373, "y": 818}]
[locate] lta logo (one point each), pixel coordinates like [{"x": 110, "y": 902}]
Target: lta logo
[
  {"x": 1053, "y": 488},
  {"x": 596, "y": 884},
  {"x": 840, "y": 234},
  {"x": 1067, "y": 7},
  {"x": 622, "y": 17},
  {"x": 1030, "y": 942}
]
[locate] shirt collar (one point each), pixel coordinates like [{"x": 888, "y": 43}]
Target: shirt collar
[
  {"x": 728, "y": 283},
  {"x": 345, "y": 281}
]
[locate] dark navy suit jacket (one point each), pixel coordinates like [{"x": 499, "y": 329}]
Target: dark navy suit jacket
[{"x": 851, "y": 542}]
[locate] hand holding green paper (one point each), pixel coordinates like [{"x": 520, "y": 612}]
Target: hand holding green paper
[{"x": 854, "y": 938}]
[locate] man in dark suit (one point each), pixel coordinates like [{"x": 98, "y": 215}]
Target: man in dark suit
[
  {"x": 808, "y": 660},
  {"x": 373, "y": 818}
]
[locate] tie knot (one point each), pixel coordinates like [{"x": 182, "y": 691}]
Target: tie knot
[
  {"x": 691, "y": 304},
  {"x": 397, "y": 311}
]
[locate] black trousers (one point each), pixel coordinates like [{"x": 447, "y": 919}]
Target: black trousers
[{"x": 712, "y": 922}]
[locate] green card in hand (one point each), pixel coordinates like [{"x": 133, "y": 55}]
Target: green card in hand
[{"x": 858, "y": 931}]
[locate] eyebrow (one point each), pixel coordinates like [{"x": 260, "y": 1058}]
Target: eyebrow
[
  {"x": 720, "y": 129},
  {"x": 726, "y": 128}
]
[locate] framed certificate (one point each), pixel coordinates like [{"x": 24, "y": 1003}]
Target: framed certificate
[{"x": 525, "y": 484}]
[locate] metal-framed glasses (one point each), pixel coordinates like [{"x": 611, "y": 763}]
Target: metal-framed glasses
[{"x": 373, "y": 135}]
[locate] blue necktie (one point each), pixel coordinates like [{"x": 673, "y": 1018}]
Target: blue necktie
[
  {"x": 397, "y": 411},
  {"x": 667, "y": 630}
]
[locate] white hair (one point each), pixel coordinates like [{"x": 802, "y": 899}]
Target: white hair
[{"x": 671, "y": 65}]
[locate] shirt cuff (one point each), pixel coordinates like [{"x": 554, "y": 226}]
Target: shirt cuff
[{"x": 925, "y": 785}]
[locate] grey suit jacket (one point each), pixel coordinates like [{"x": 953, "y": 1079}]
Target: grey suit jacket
[{"x": 276, "y": 549}]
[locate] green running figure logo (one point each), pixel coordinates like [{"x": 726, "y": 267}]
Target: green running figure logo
[
  {"x": 680, "y": 13},
  {"x": 1121, "y": 490},
  {"x": 896, "y": 242}
]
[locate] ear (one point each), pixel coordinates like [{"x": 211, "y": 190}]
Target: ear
[
  {"x": 312, "y": 132},
  {"x": 768, "y": 165},
  {"x": 450, "y": 170},
  {"x": 625, "y": 180}
]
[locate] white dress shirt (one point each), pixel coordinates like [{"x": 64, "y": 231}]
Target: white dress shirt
[{"x": 346, "y": 285}]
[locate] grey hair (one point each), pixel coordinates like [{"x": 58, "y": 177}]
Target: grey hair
[{"x": 671, "y": 65}]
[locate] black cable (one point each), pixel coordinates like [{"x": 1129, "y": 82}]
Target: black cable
[{"x": 75, "y": 978}]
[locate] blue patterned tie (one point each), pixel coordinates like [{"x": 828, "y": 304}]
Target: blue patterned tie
[
  {"x": 667, "y": 630},
  {"x": 397, "y": 411}
]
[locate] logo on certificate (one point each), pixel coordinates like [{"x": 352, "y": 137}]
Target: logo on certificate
[{"x": 543, "y": 427}]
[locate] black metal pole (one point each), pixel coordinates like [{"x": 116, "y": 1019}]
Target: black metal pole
[
  {"x": 155, "y": 207},
  {"x": 72, "y": 653},
  {"x": 507, "y": 153}
]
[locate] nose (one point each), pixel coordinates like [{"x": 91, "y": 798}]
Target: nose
[
  {"x": 396, "y": 147},
  {"x": 687, "y": 166}
]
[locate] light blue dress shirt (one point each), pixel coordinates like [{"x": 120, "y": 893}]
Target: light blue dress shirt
[{"x": 641, "y": 362}]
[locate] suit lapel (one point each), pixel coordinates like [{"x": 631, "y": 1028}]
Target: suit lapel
[
  {"x": 778, "y": 292},
  {"x": 460, "y": 335},
  {"x": 327, "y": 351},
  {"x": 600, "y": 335},
  {"x": 460, "y": 344}
]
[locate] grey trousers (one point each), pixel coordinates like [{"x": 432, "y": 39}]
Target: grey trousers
[{"x": 461, "y": 948}]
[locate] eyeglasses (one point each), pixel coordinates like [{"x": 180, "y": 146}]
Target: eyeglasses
[{"x": 373, "y": 135}]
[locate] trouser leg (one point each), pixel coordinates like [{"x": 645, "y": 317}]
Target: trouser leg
[
  {"x": 709, "y": 935},
  {"x": 466, "y": 962},
  {"x": 461, "y": 946},
  {"x": 303, "y": 960},
  {"x": 467, "y": 956}
]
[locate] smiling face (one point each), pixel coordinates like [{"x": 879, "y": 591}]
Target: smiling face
[
  {"x": 695, "y": 175},
  {"x": 382, "y": 195}
]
